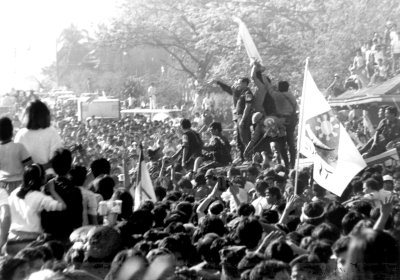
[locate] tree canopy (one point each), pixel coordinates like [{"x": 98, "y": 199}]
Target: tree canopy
[{"x": 198, "y": 38}]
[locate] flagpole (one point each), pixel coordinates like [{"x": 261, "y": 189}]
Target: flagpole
[
  {"x": 300, "y": 129},
  {"x": 138, "y": 174}
]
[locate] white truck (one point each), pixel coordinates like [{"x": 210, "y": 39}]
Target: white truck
[{"x": 100, "y": 108}]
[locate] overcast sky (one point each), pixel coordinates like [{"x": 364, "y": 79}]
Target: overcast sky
[{"x": 29, "y": 28}]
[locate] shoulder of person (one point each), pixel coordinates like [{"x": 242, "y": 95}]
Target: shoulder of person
[{"x": 21, "y": 132}]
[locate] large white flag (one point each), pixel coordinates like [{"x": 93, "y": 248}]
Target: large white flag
[
  {"x": 324, "y": 140},
  {"x": 245, "y": 37},
  {"x": 143, "y": 190}
]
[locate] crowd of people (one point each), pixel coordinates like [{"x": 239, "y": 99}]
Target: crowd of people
[
  {"x": 228, "y": 202},
  {"x": 376, "y": 61}
]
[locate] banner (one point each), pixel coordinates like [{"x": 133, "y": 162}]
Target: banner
[
  {"x": 143, "y": 190},
  {"x": 324, "y": 140},
  {"x": 245, "y": 37}
]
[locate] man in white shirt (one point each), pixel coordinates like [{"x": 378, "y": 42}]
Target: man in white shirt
[
  {"x": 152, "y": 92},
  {"x": 395, "y": 49}
]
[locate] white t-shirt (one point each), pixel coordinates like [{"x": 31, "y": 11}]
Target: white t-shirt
[
  {"x": 89, "y": 203},
  {"x": 25, "y": 213},
  {"x": 242, "y": 196},
  {"x": 260, "y": 204},
  {"x": 12, "y": 156},
  {"x": 40, "y": 144}
]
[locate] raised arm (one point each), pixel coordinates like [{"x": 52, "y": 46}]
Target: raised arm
[{"x": 225, "y": 87}]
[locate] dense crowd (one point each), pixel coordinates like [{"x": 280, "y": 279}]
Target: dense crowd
[{"x": 228, "y": 202}]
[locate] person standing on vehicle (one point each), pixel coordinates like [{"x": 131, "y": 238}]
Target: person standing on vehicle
[{"x": 191, "y": 145}]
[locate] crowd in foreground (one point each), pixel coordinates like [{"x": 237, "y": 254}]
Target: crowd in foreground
[{"x": 66, "y": 216}]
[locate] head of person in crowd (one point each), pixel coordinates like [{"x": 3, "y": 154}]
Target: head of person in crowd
[
  {"x": 6, "y": 129},
  {"x": 230, "y": 259},
  {"x": 105, "y": 187},
  {"x": 186, "y": 124},
  {"x": 243, "y": 83},
  {"x": 350, "y": 220},
  {"x": 372, "y": 254},
  {"x": 33, "y": 180},
  {"x": 261, "y": 188},
  {"x": 246, "y": 210},
  {"x": 388, "y": 184},
  {"x": 14, "y": 269},
  {"x": 270, "y": 177},
  {"x": 279, "y": 250},
  {"x": 381, "y": 112},
  {"x": 280, "y": 181},
  {"x": 100, "y": 167},
  {"x": 270, "y": 270},
  {"x": 185, "y": 186},
  {"x": 233, "y": 172},
  {"x": 78, "y": 175},
  {"x": 210, "y": 224},
  {"x": 37, "y": 116},
  {"x": 334, "y": 213},
  {"x": 61, "y": 162},
  {"x": 312, "y": 213},
  {"x": 215, "y": 128},
  {"x": 127, "y": 203},
  {"x": 211, "y": 178},
  {"x": 208, "y": 248},
  {"x": 326, "y": 232},
  {"x": 371, "y": 185},
  {"x": 283, "y": 86},
  {"x": 339, "y": 249},
  {"x": 305, "y": 267},
  {"x": 390, "y": 113},
  {"x": 252, "y": 174},
  {"x": 273, "y": 195},
  {"x": 249, "y": 232}
]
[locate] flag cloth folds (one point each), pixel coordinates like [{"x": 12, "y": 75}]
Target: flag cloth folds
[
  {"x": 143, "y": 190},
  {"x": 324, "y": 140},
  {"x": 245, "y": 37}
]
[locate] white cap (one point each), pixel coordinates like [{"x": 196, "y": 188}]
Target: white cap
[{"x": 387, "y": 178}]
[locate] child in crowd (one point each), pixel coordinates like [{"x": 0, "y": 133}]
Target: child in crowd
[{"x": 13, "y": 157}]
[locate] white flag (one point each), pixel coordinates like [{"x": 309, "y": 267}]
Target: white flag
[
  {"x": 324, "y": 140},
  {"x": 245, "y": 37},
  {"x": 143, "y": 190}
]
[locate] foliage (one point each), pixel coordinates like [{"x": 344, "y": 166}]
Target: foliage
[{"x": 198, "y": 38}]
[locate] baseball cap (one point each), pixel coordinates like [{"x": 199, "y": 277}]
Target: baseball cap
[{"x": 387, "y": 178}]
